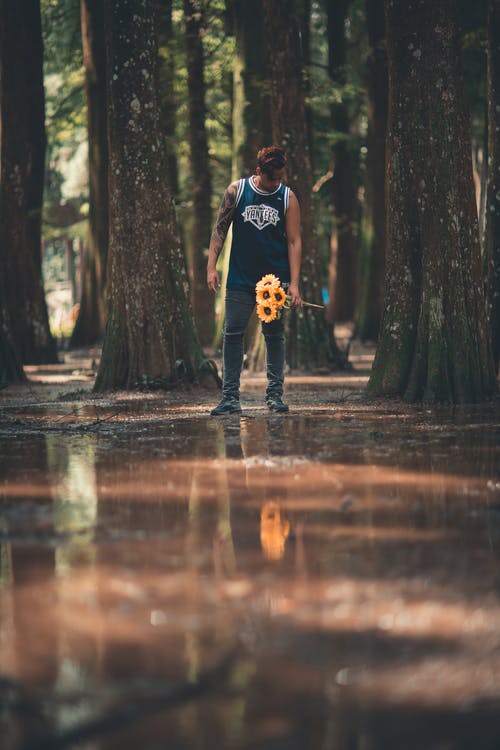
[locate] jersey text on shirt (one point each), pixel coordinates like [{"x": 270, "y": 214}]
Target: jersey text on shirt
[{"x": 261, "y": 216}]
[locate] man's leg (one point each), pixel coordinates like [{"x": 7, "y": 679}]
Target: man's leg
[
  {"x": 239, "y": 307},
  {"x": 274, "y": 334}
]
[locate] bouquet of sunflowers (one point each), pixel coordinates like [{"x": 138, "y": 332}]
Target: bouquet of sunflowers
[{"x": 271, "y": 299}]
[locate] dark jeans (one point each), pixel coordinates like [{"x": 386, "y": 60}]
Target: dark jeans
[{"x": 239, "y": 307}]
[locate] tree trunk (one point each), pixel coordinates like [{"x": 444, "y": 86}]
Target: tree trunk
[
  {"x": 251, "y": 115},
  {"x": 492, "y": 230},
  {"x": 202, "y": 299},
  {"x": 371, "y": 304},
  {"x": 168, "y": 99},
  {"x": 11, "y": 370},
  {"x": 345, "y": 203},
  {"x": 434, "y": 343},
  {"x": 310, "y": 340},
  {"x": 22, "y": 159},
  {"x": 150, "y": 338},
  {"x": 251, "y": 120},
  {"x": 305, "y": 35},
  {"x": 91, "y": 320},
  {"x": 69, "y": 256}
]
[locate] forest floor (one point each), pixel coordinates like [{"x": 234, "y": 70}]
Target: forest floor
[
  {"x": 328, "y": 578},
  {"x": 72, "y": 380}
]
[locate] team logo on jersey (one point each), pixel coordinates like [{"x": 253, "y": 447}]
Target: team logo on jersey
[{"x": 261, "y": 216}]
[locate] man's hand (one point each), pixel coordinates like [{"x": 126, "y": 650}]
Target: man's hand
[
  {"x": 213, "y": 280},
  {"x": 294, "y": 294}
]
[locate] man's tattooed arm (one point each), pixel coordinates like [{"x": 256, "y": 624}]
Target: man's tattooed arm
[
  {"x": 224, "y": 218},
  {"x": 219, "y": 234}
]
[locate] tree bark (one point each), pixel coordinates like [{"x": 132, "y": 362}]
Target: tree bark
[
  {"x": 22, "y": 160},
  {"x": 168, "y": 100},
  {"x": 305, "y": 36},
  {"x": 69, "y": 257},
  {"x": 310, "y": 338},
  {"x": 434, "y": 343},
  {"x": 492, "y": 228},
  {"x": 11, "y": 370},
  {"x": 201, "y": 183},
  {"x": 91, "y": 320},
  {"x": 345, "y": 203},
  {"x": 150, "y": 338},
  {"x": 373, "y": 232}
]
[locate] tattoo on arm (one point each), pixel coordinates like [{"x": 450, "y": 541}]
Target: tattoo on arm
[{"x": 224, "y": 218}]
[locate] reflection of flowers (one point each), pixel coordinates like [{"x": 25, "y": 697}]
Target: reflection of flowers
[
  {"x": 274, "y": 531},
  {"x": 272, "y": 299}
]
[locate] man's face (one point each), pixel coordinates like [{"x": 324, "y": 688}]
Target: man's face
[{"x": 270, "y": 182}]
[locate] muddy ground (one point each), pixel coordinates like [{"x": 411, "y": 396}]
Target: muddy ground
[{"x": 327, "y": 579}]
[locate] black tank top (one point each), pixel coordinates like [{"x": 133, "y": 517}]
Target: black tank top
[{"x": 259, "y": 244}]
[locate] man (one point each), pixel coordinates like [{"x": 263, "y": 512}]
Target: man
[{"x": 265, "y": 215}]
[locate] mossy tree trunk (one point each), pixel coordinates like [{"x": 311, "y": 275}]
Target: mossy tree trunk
[
  {"x": 492, "y": 224},
  {"x": 91, "y": 319},
  {"x": 201, "y": 182},
  {"x": 373, "y": 235},
  {"x": 344, "y": 195},
  {"x": 22, "y": 163},
  {"x": 310, "y": 337},
  {"x": 150, "y": 336},
  {"x": 434, "y": 344}
]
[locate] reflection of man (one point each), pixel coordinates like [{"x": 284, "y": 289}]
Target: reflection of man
[{"x": 266, "y": 239}]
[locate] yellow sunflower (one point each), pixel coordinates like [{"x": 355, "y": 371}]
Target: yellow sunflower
[
  {"x": 266, "y": 312},
  {"x": 269, "y": 280},
  {"x": 265, "y": 295},
  {"x": 279, "y": 296}
]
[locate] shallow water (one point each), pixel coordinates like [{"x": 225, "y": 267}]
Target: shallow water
[{"x": 314, "y": 581}]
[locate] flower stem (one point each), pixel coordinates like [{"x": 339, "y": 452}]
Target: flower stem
[{"x": 311, "y": 304}]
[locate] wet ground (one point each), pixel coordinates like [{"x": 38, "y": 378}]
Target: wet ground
[{"x": 324, "y": 580}]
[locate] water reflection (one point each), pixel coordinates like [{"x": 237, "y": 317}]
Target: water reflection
[
  {"x": 348, "y": 571},
  {"x": 274, "y": 531}
]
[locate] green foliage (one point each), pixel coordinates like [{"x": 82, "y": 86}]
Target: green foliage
[
  {"x": 218, "y": 52},
  {"x": 64, "y": 92},
  {"x": 349, "y": 90}
]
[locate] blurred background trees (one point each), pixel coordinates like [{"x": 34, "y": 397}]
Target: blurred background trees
[{"x": 225, "y": 74}]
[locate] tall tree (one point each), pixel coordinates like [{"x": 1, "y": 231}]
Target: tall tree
[
  {"x": 251, "y": 117},
  {"x": 371, "y": 301},
  {"x": 22, "y": 160},
  {"x": 11, "y": 370},
  {"x": 150, "y": 336},
  {"x": 167, "y": 85},
  {"x": 201, "y": 183},
  {"x": 91, "y": 319},
  {"x": 305, "y": 37},
  {"x": 345, "y": 203},
  {"x": 492, "y": 229},
  {"x": 251, "y": 121},
  {"x": 434, "y": 343},
  {"x": 310, "y": 341}
]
